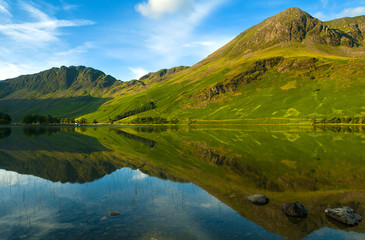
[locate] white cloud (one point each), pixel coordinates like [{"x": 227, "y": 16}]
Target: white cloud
[
  {"x": 4, "y": 8},
  {"x": 320, "y": 16},
  {"x": 352, "y": 12},
  {"x": 210, "y": 46},
  {"x": 158, "y": 8},
  {"x": 35, "y": 44},
  {"x": 174, "y": 39},
  {"x": 9, "y": 70},
  {"x": 35, "y": 61},
  {"x": 348, "y": 12},
  {"x": 43, "y": 30},
  {"x": 138, "y": 72},
  {"x": 69, "y": 7}
]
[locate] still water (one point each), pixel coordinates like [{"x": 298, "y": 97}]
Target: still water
[{"x": 177, "y": 183}]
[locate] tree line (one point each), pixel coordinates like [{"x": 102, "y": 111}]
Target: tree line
[
  {"x": 349, "y": 120},
  {"x": 153, "y": 120},
  {"x": 36, "y": 118},
  {"x": 5, "y": 118},
  {"x": 144, "y": 108},
  {"x": 48, "y": 119}
]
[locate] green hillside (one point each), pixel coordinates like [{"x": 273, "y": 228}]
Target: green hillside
[
  {"x": 288, "y": 69},
  {"x": 68, "y": 91}
]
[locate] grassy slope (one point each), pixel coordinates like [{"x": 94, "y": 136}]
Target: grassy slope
[
  {"x": 333, "y": 86},
  {"x": 338, "y": 89}
]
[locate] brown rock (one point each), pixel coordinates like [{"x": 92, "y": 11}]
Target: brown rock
[
  {"x": 113, "y": 214},
  {"x": 294, "y": 209}
]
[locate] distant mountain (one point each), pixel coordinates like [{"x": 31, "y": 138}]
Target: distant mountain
[
  {"x": 291, "y": 67},
  {"x": 161, "y": 75},
  {"x": 68, "y": 91},
  {"x": 76, "y": 80}
]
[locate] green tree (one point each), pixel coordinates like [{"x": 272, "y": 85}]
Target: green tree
[
  {"x": 83, "y": 121},
  {"x": 5, "y": 118}
]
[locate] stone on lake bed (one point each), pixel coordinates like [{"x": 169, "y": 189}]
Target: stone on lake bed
[
  {"x": 113, "y": 214},
  {"x": 258, "y": 199},
  {"x": 294, "y": 209},
  {"x": 345, "y": 215}
]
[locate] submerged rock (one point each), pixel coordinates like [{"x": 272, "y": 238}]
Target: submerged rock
[
  {"x": 294, "y": 209},
  {"x": 113, "y": 214},
  {"x": 258, "y": 199},
  {"x": 345, "y": 215}
]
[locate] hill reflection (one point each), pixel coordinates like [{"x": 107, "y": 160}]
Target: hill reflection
[{"x": 317, "y": 168}]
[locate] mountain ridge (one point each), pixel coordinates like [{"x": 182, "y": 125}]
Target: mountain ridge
[{"x": 291, "y": 25}]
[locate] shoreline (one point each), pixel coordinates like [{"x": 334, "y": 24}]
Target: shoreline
[{"x": 189, "y": 124}]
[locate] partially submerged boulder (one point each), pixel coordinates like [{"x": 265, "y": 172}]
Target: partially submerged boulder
[
  {"x": 345, "y": 215},
  {"x": 258, "y": 199},
  {"x": 294, "y": 209}
]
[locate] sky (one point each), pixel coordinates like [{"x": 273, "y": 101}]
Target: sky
[{"x": 129, "y": 38}]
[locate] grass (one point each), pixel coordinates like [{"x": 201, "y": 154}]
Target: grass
[{"x": 333, "y": 88}]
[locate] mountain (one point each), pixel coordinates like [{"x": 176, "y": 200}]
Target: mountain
[
  {"x": 68, "y": 91},
  {"x": 286, "y": 29},
  {"x": 353, "y": 27},
  {"x": 74, "y": 80},
  {"x": 160, "y": 75},
  {"x": 287, "y": 69}
]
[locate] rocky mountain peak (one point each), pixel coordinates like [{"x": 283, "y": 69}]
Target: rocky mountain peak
[{"x": 289, "y": 26}]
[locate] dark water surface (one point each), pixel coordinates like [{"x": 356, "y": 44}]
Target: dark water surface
[{"x": 178, "y": 183}]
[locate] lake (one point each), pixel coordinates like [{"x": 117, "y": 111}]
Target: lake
[{"x": 178, "y": 182}]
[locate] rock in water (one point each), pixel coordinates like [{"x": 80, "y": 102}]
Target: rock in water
[
  {"x": 345, "y": 215},
  {"x": 294, "y": 209},
  {"x": 258, "y": 199},
  {"x": 113, "y": 214}
]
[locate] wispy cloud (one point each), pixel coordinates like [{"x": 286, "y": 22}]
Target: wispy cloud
[
  {"x": 44, "y": 29},
  {"x": 69, "y": 7},
  {"x": 347, "y": 12},
  {"x": 137, "y": 73},
  {"x": 4, "y": 8},
  {"x": 157, "y": 8},
  {"x": 352, "y": 12},
  {"x": 324, "y": 3},
  {"x": 32, "y": 40},
  {"x": 174, "y": 37}
]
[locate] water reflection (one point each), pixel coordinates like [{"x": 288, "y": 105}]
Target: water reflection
[
  {"x": 321, "y": 169},
  {"x": 148, "y": 207},
  {"x": 148, "y": 142},
  {"x": 5, "y": 132},
  {"x": 39, "y": 131},
  {"x": 342, "y": 129}
]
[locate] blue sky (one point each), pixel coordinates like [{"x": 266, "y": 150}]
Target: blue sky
[{"x": 129, "y": 38}]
